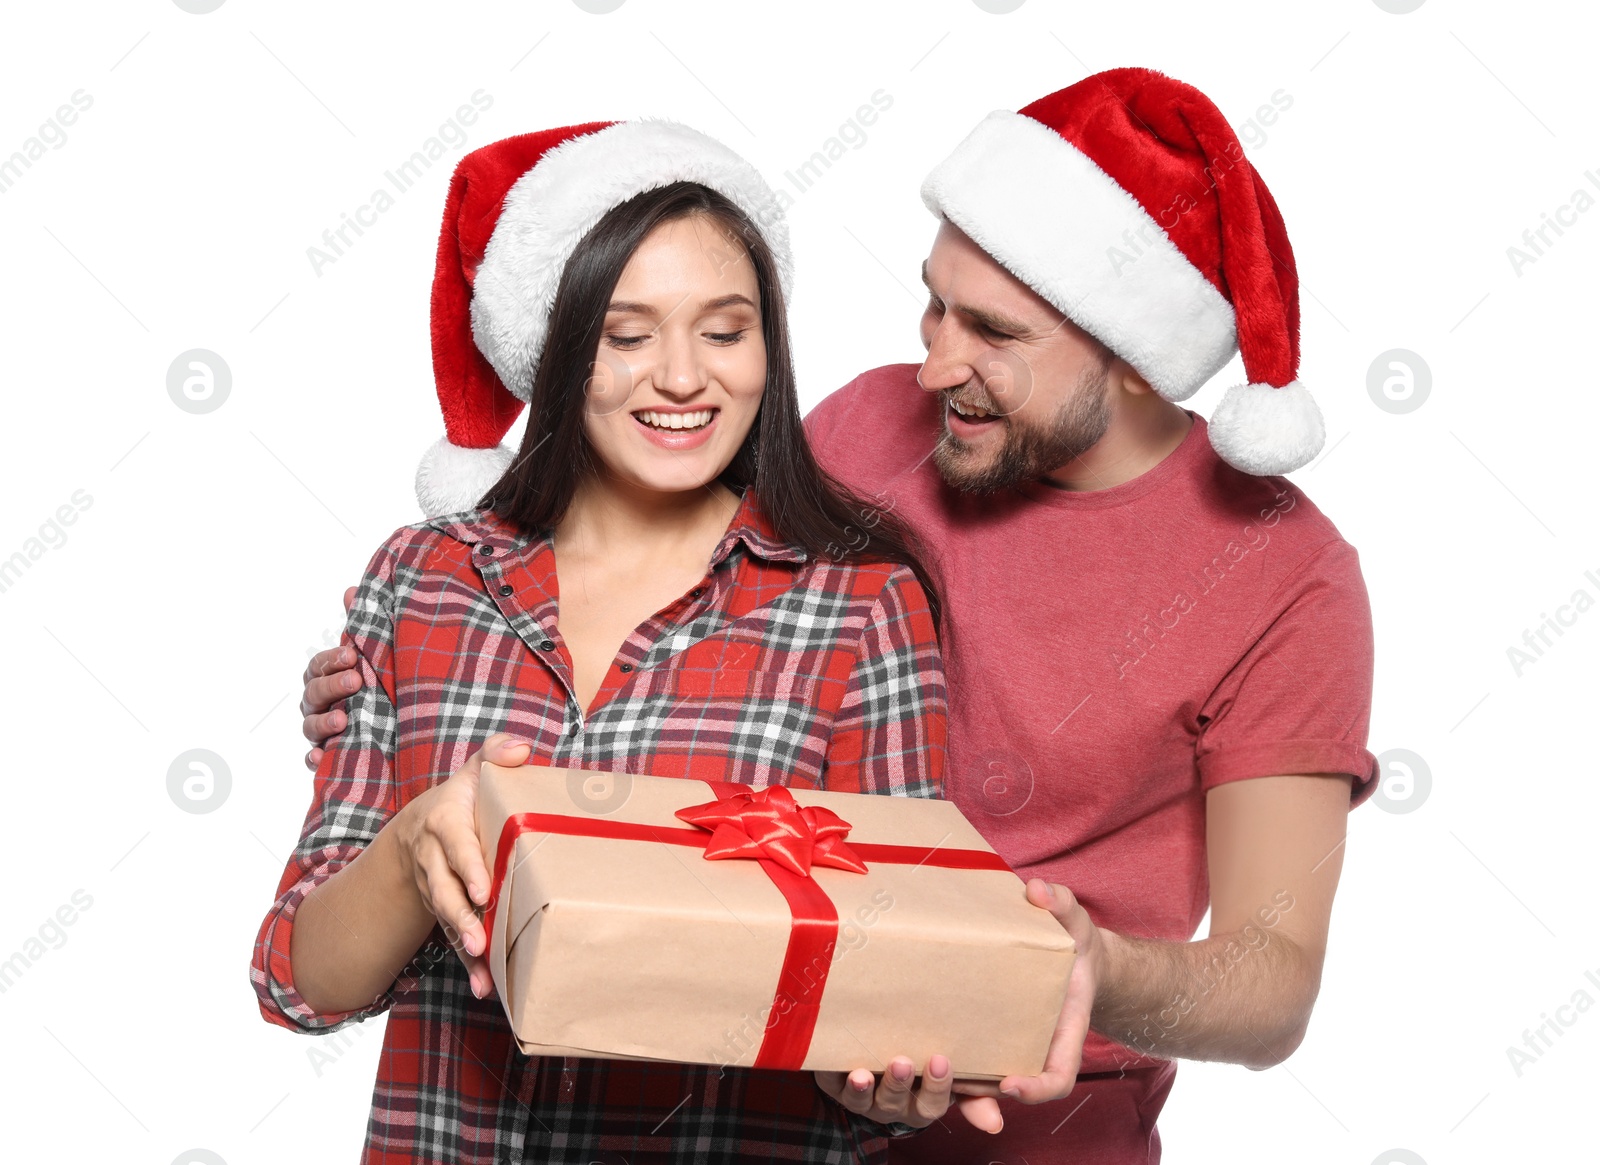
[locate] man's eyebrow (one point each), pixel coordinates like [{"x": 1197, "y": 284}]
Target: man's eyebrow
[
  {"x": 996, "y": 321},
  {"x": 993, "y": 320}
]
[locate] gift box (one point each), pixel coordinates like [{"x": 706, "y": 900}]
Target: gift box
[{"x": 637, "y": 917}]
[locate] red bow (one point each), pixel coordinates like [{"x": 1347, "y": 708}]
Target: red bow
[{"x": 769, "y": 823}]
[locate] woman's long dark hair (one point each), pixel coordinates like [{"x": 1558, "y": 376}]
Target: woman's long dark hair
[{"x": 806, "y": 506}]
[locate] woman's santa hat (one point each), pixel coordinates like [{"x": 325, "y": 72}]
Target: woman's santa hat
[
  {"x": 516, "y": 211},
  {"x": 1126, "y": 202}
]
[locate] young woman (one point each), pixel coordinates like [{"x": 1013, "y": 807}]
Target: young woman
[{"x": 660, "y": 581}]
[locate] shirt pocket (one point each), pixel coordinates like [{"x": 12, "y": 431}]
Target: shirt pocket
[{"x": 711, "y": 685}]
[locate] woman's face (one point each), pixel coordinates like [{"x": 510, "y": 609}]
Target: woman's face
[{"x": 682, "y": 361}]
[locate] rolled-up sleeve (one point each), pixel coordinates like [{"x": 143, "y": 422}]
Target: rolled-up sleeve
[
  {"x": 353, "y": 795},
  {"x": 889, "y": 733}
]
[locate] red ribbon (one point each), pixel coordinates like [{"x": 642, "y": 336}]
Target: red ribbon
[
  {"x": 787, "y": 839},
  {"x": 769, "y": 823}
]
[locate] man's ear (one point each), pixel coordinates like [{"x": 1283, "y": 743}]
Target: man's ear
[{"x": 1122, "y": 375}]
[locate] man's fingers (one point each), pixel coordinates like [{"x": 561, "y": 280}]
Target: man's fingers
[
  {"x": 1059, "y": 901},
  {"x": 1038, "y": 1089},
  {"x": 975, "y": 1087},
  {"x": 330, "y": 660},
  {"x": 982, "y": 1112},
  {"x": 323, "y": 692},
  {"x": 321, "y": 727}
]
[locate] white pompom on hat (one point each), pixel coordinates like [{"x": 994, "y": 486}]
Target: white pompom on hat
[
  {"x": 516, "y": 211},
  {"x": 1127, "y": 202}
]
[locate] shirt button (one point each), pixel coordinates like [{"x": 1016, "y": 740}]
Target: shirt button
[
  {"x": 508, "y": 589},
  {"x": 485, "y": 549},
  {"x": 697, "y": 592},
  {"x": 546, "y": 644},
  {"x": 625, "y": 667}
]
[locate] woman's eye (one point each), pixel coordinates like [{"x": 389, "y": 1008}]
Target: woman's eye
[
  {"x": 727, "y": 337},
  {"x": 626, "y": 341}
]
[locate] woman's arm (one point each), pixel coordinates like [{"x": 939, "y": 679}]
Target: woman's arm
[
  {"x": 366, "y": 883},
  {"x": 356, "y": 930},
  {"x": 322, "y": 980}
]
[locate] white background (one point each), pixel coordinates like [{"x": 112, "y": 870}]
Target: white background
[{"x": 181, "y": 607}]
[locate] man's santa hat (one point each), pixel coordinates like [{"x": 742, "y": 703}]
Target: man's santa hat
[
  {"x": 1127, "y": 203},
  {"x": 516, "y": 211}
]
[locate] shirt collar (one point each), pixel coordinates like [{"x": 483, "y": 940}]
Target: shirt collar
[{"x": 750, "y": 525}]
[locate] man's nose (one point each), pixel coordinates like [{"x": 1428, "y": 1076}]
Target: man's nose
[{"x": 947, "y": 365}]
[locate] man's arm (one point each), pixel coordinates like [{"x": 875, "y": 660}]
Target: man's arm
[{"x": 1244, "y": 994}]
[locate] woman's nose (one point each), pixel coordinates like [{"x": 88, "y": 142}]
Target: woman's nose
[{"x": 679, "y": 368}]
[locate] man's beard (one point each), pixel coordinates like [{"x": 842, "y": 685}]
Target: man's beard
[{"x": 1028, "y": 452}]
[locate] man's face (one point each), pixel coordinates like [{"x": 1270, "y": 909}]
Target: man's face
[{"x": 1024, "y": 389}]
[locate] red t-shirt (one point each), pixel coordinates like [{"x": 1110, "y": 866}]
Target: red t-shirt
[{"x": 1111, "y": 655}]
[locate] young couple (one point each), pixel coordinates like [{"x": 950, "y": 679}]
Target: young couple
[{"x": 673, "y": 576}]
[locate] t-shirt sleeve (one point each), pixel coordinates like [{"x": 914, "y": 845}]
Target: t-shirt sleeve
[
  {"x": 822, "y": 422},
  {"x": 1299, "y": 701}
]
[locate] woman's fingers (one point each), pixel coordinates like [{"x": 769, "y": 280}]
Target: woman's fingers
[
  {"x": 458, "y": 836},
  {"x": 446, "y": 855},
  {"x": 933, "y": 1098},
  {"x": 447, "y": 899},
  {"x": 503, "y": 748}
]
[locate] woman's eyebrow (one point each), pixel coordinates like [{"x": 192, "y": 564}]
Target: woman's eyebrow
[
  {"x": 636, "y": 308},
  {"x": 730, "y": 300}
]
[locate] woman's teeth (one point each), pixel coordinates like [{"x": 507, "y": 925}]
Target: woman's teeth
[
  {"x": 695, "y": 420},
  {"x": 967, "y": 410}
]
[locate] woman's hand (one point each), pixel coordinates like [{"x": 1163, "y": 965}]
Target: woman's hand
[
  {"x": 438, "y": 835},
  {"x": 890, "y": 1097}
]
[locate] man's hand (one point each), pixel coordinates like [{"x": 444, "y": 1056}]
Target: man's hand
[
  {"x": 329, "y": 677},
  {"x": 1072, "y": 1027},
  {"x": 891, "y": 1097}
]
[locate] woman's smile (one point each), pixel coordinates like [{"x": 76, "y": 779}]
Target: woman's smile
[{"x": 677, "y": 428}]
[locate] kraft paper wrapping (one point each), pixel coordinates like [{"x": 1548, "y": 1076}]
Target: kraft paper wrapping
[{"x": 626, "y": 949}]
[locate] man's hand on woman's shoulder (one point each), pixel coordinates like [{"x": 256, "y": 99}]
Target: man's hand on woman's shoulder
[{"x": 329, "y": 678}]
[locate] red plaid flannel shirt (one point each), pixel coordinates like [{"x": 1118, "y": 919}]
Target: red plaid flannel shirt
[{"x": 775, "y": 669}]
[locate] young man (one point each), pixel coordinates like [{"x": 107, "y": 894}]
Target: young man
[{"x": 1159, "y": 652}]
